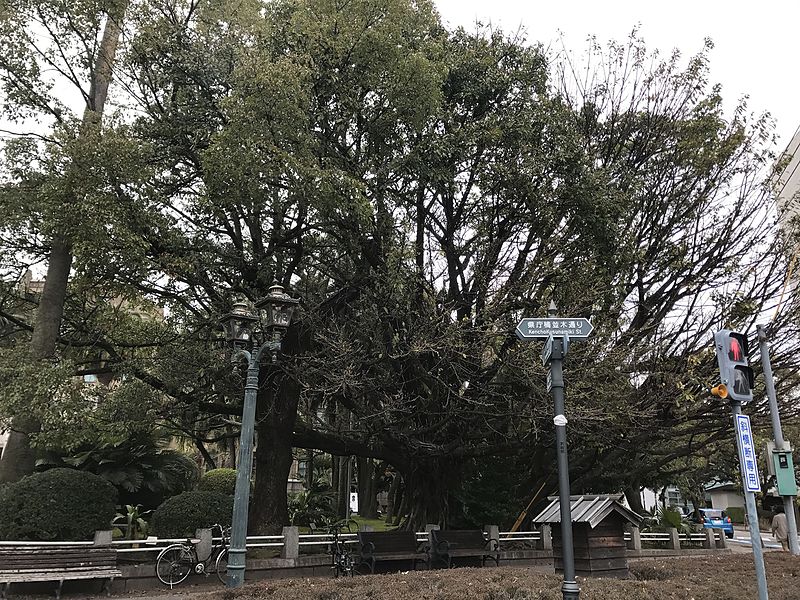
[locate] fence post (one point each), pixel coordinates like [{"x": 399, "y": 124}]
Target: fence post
[
  {"x": 635, "y": 543},
  {"x": 204, "y": 545},
  {"x": 429, "y": 530},
  {"x": 102, "y": 537},
  {"x": 545, "y": 537},
  {"x": 291, "y": 542},
  {"x": 708, "y": 542},
  {"x": 493, "y": 533},
  {"x": 722, "y": 541},
  {"x": 674, "y": 542}
]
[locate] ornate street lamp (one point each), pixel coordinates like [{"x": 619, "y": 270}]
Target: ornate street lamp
[{"x": 250, "y": 336}]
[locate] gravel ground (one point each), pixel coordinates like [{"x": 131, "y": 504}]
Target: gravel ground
[{"x": 728, "y": 577}]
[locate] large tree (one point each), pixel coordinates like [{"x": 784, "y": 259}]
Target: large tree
[
  {"x": 421, "y": 190},
  {"x": 77, "y": 42}
]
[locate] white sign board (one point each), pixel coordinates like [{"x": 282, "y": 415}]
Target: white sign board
[
  {"x": 543, "y": 328},
  {"x": 747, "y": 454}
]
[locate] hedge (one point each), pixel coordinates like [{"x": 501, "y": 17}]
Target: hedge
[
  {"x": 181, "y": 515},
  {"x": 222, "y": 481},
  {"x": 59, "y": 504},
  {"x": 736, "y": 513}
]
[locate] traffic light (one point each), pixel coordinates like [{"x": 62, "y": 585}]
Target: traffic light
[{"x": 736, "y": 375}]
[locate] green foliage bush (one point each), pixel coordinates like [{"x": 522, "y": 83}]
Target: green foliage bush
[
  {"x": 181, "y": 515},
  {"x": 309, "y": 507},
  {"x": 222, "y": 481},
  {"x": 736, "y": 513},
  {"x": 59, "y": 504}
]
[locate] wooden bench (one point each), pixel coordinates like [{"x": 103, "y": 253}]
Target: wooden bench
[
  {"x": 23, "y": 564},
  {"x": 380, "y": 546},
  {"x": 450, "y": 544}
]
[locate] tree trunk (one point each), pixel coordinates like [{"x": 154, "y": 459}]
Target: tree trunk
[
  {"x": 634, "y": 496},
  {"x": 18, "y": 457},
  {"x": 367, "y": 503},
  {"x": 342, "y": 487},
  {"x": 269, "y": 510},
  {"x": 309, "y": 468},
  {"x": 429, "y": 482},
  {"x": 394, "y": 491}
]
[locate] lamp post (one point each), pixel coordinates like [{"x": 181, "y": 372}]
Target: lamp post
[{"x": 250, "y": 337}]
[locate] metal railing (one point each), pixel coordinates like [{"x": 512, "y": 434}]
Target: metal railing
[{"x": 310, "y": 541}]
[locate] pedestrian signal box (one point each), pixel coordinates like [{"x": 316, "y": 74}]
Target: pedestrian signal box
[{"x": 735, "y": 373}]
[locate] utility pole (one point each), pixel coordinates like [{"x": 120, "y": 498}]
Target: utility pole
[{"x": 782, "y": 456}]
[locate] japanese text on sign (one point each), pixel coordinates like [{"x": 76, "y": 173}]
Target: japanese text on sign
[{"x": 751, "y": 480}]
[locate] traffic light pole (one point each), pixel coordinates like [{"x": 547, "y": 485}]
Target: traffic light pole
[
  {"x": 569, "y": 588},
  {"x": 777, "y": 433},
  {"x": 752, "y": 514}
]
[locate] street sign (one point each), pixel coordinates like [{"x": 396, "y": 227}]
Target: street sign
[
  {"x": 544, "y": 327},
  {"x": 747, "y": 454}
]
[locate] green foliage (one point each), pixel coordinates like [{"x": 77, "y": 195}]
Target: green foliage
[
  {"x": 309, "y": 507},
  {"x": 60, "y": 504},
  {"x": 736, "y": 513},
  {"x": 181, "y": 515},
  {"x": 141, "y": 467},
  {"x": 491, "y": 494},
  {"x": 222, "y": 481},
  {"x": 665, "y": 518},
  {"x": 131, "y": 525}
]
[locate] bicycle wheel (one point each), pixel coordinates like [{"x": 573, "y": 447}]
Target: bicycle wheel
[
  {"x": 222, "y": 566},
  {"x": 347, "y": 564},
  {"x": 174, "y": 564}
]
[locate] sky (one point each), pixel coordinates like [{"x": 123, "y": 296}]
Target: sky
[{"x": 756, "y": 50}]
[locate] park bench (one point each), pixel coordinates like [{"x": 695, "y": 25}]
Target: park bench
[
  {"x": 385, "y": 546},
  {"x": 23, "y": 564},
  {"x": 450, "y": 544}
]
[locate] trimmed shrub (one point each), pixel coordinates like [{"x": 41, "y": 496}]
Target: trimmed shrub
[
  {"x": 59, "y": 504},
  {"x": 181, "y": 515},
  {"x": 736, "y": 513},
  {"x": 222, "y": 481}
]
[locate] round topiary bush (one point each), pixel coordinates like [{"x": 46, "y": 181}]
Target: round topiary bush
[
  {"x": 181, "y": 515},
  {"x": 59, "y": 504},
  {"x": 222, "y": 481}
]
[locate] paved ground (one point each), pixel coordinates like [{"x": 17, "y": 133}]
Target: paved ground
[{"x": 741, "y": 541}]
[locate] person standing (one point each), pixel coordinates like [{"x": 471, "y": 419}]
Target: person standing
[{"x": 780, "y": 528}]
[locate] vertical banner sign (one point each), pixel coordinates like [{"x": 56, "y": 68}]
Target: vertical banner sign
[{"x": 750, "y": 478}]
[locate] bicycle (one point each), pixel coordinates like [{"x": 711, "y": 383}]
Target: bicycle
[
  {"x": 341, "y": 558},
  {"x": 177, "y": 561}
]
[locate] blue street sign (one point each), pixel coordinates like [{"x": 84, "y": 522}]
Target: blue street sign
[{"x": 747, "y": 454}]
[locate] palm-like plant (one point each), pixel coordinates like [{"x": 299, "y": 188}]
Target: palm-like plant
[{"x": 143, "y": 468}]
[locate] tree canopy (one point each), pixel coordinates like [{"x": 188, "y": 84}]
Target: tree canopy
[{"x": 421, "y": 190}]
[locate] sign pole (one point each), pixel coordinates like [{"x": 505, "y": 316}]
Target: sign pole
[
  {"x": 777, "y": 433},
  {"x": 557, "y": 350},
  {"x": 750, "y": 481},
  {"x": 558, "y": 331}
]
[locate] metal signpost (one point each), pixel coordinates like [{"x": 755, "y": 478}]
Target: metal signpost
[
  {"x": 751, "y": 484},
  {"x": 557, "y": 332},
  {"x": 781, "y": 457}
]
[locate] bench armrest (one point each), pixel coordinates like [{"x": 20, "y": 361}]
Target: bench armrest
[
  {"x": 492, "y": 545},
  {"x": 368, "y": 548},
  {"x": 443, "y": 547}
]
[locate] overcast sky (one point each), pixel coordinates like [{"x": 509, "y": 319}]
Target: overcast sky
[{"x": 757, "y": 44}]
